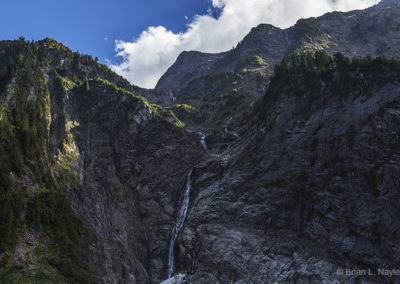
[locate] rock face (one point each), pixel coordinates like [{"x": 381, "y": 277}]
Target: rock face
[
  {"x": 132, "y": 170},
  {"x": 308, "y": 174},
  {"x": 294, "y": 169}
]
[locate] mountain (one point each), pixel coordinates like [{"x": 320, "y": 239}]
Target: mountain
[
  {"x": 373, "y": 31},
  {"x": 275, "y": 162},
  {"x": 202, "y": 79}
]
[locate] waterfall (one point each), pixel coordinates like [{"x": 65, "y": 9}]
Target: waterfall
[
  {"x": 177, "y": 279},
  {"x": 263, "y": 90},
  {"x": 173, "y": 97},
  {"x": 227, "y": 125},
  {"x": 232, "y": 132},
  {"x": 287, "y": 39},
  {"x": 180, "y": 219},
  {"x": 203, "y": 140}
]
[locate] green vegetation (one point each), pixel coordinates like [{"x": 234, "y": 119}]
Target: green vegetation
[
  {"x": 324, "y": 43},
  {"x": 185, "y": 107},
  {"x": 169, "y": 113},
  {"x": 49, "y": 210},
  {"x": 235, "y": 99},
  {"x": 24, "y": 117},
  {"x": 116, "y": 89},
  {"x": 26, "y": 159},
  {"x": 259, "y": 60},
  {"x": 11, "y": 207},
  {"x": 256, "y": 62},
  {"x": 14, "y": 276},
  {"x": 66, "y": 83},
  {"x": 229, "y": 102},
  {"x": 70, "y": 153},
  {"x": 61, "y": 49},
  {"x": 308, "y": 76},
  {"x": 308, "y": 27},
  {"x": 178, "y": 123}
]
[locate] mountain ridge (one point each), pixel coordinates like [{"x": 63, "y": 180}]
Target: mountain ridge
[{"x": 305, "y": 34}]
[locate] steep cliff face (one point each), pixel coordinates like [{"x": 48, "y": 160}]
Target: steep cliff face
[
  {"x": 112, "y": 161},
  {"x": 133, "y": 164},
  {"x": 294, "y": 168},
  {"x": 311, "y": 190},
  {"x": 373, "y": 31}
]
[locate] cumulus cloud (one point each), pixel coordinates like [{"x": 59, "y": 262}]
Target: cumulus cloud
[{"x": 149, "y": 56}]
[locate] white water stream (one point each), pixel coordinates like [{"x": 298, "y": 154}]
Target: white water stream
[
  {"x": 232, "y": 132},
  {"x": 287, "y": 39},
  {"x": 203, "y": 140},
  {"x": 173, "y": 97},
  {"x": 182, "y": 211}
]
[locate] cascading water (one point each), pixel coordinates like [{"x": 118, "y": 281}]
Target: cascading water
[
  {"x": 179, "y": 223},
  {"x": 203, "y": 140},
  {"x": 263, "y": 90},
  {"x": 173, "y": 97},
  {"x": 289, "y": 44},
  {"x": 227, "y": 125},
  {"x": 287, "y": 39},
  {"x": 232, "y": 132}
]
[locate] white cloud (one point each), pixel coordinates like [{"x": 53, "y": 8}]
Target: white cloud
[
  {"x": 218, "y": 3},
  {"x": 148, "y": 57}
]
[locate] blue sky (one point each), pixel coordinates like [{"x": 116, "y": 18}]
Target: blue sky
[
  {"x": 83, "y": 25},
  {"x": 140, "y": 39}
]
